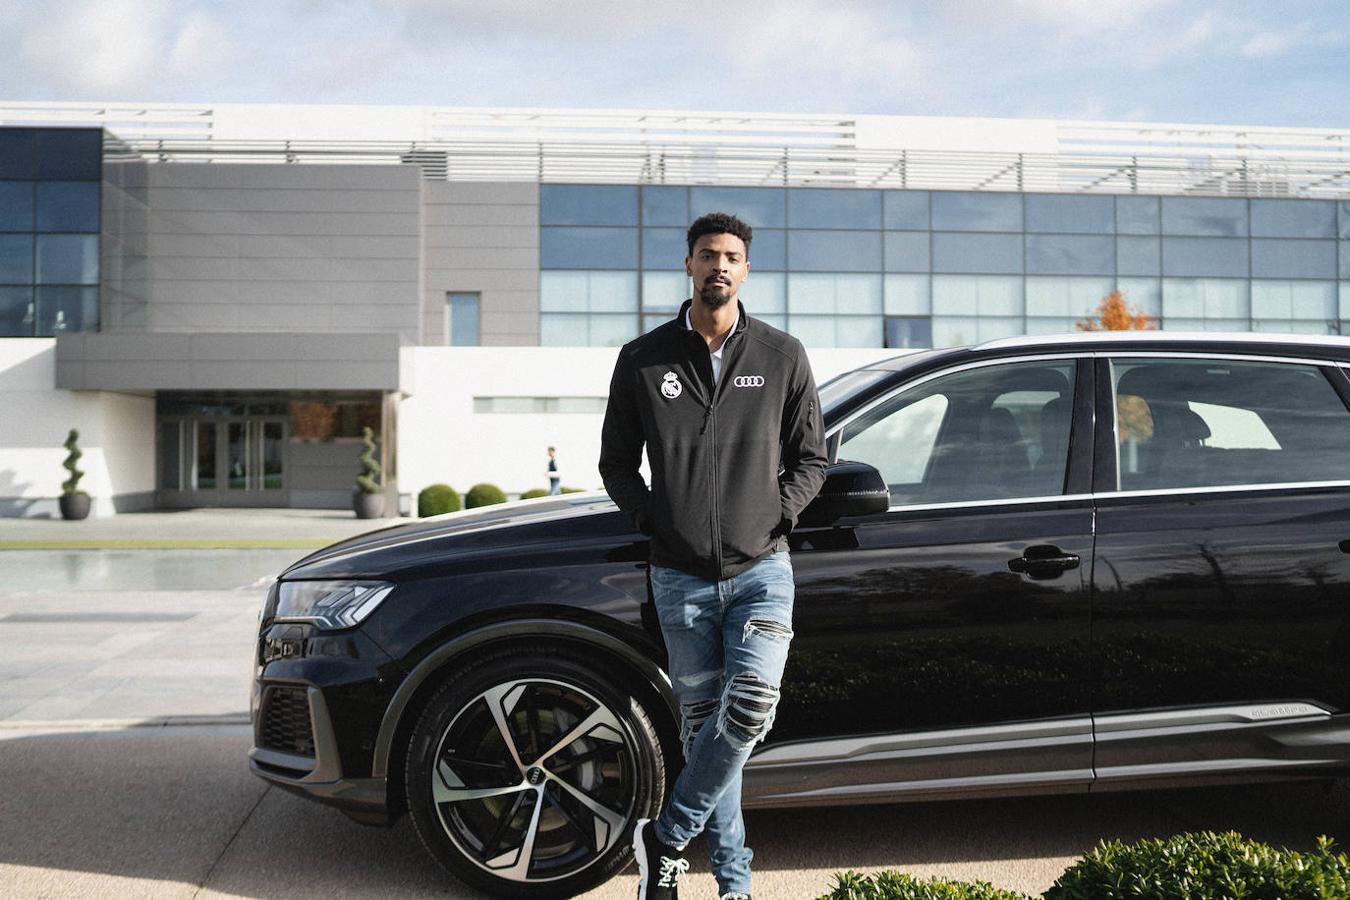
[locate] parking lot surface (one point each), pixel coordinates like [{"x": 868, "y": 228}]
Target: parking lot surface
[{"x": 123, "y": 769}]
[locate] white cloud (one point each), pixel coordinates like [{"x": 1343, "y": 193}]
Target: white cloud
[
  {"x": 95, "y": 45},
  {"x": 1274, "y": 43}
]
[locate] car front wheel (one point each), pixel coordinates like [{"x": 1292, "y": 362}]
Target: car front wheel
[{"x": 527, "y": 769}]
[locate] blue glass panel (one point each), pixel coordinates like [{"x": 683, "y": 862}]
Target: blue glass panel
[
  {"x": 665, "y": 206},
  {"x": 587, "y": 204},
  {"x": 768, "y": 250},
  {"x": 70, "y": 154},
  {"x": 664, "y": 248},
  {"x": 17, "y": 314},
  {"x": 1293, "y": 259},
  {"x": 1070, "y": 214},
  {"x": 1069, "y": 254},
  {"x": 835, "y": 251},
  {"x": 1204, "y": 256},
  {"x": 16, "y": 153},
  {"x": 764, "y": 293},
  {"x": 906, "y": 251},
  {"x": 68, "y": 205},
  {"x": 1204, "y": 216},
  {"x": 1343, "y": 213},
  {"x": 992, "y": 253},
  {"x": 976, "y": 211},
  {"x": 16, "y": 206},
  {"x": 1137, "y": 215},
  {"x": 665, "y": 291},
  {"x": 596, "y": 291},
  {"x": 907, "y": 295},
  {"x": 905, "y": 210},
  {"x": 827, "y": 294},
  {"x": 67, "y": 259},
  {"x": 16, "y": 259},
  {"x": 1138, "y": 256},
  {"x": 66, "y": 309},
  {"x": 909, "y": 332},
  {"x": 1294, "y": 218},
  {"x": 757, "y": 207},
  {"x": 834, "y": 208},
  {"x": 464, "y": 320},
  {"x": 1345, "y": 260},
  {"x": 563, "y": 330},
  {"x": 588, "y": 248}
]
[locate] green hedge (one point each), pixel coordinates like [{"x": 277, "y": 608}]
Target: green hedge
[
  {"x": 535, "y": 492},
  {"x": 1205, "y": 866},
  {"x": 436, "y": 499},
  {"x": 483, "y": 494},
  {"x": 1201, "y": 866},
  {"x": 573, "y": 490},
  {"x": 899, "y": 886}
]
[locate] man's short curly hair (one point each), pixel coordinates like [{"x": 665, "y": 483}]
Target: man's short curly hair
[{"x": 719, "y": 223}]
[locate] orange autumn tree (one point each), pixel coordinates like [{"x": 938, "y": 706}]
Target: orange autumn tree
[{"x": 1114, "y": 314}]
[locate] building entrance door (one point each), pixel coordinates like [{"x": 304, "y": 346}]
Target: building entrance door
[{"x": 223, "y": 461}]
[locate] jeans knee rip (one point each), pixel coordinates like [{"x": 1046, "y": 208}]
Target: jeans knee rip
[
  {"x": 766, "y": 627},
  {"x": 692, "y": 717},
  {"x": 698, "y": 678},
  {"x": 748, "y": 708}
]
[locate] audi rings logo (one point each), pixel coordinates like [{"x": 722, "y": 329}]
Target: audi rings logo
[{"x": 749, "y": 381}]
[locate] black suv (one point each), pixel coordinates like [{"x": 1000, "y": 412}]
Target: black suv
[{"x": 1051, "y": 564}]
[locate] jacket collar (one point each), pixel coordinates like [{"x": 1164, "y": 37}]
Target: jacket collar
[{"x": 741, "y": 318}]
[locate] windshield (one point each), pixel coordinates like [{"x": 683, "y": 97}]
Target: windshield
[{"x": 841, "y": 387}]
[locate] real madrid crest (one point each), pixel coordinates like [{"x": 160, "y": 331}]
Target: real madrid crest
[{"x": 670, "y": 386}]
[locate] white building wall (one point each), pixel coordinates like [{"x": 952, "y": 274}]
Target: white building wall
[
  {"x": 442, "y": 439},
  {"x": 117, "y": 437}
]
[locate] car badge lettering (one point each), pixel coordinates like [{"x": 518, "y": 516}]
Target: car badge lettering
[
  {"x": 748, "y": 381},
  {"x": 670, "y": 386}
]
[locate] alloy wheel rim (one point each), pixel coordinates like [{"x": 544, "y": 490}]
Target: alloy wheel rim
[{"x": 534, "y": 780}]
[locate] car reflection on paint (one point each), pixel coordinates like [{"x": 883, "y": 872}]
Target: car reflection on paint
[{"x": 1037, "y": 565}]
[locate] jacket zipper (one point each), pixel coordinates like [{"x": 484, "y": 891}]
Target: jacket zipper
[{"x": 712, "y": 487}]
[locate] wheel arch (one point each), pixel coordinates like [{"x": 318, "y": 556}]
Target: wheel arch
[{"x": 400, "y": 714}]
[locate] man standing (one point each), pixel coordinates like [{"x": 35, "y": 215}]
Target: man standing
[{"x": 727, "y": 409}]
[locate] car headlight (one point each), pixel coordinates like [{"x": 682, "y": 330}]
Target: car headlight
[{"x": 330, "y": 604}]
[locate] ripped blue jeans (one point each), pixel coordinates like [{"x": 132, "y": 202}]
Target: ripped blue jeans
[{"x": 727, "y": 641}]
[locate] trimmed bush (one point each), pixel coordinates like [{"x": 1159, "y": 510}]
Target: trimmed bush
[
  {"x": 890, "y": 885},
  {"x": 534, "y": 492},
  {"x": 1203, "y": 866},
  {"x": 567, "y": 490},
  {"x": 436, "y": 499},
  {"x": 483, "y": 494}
]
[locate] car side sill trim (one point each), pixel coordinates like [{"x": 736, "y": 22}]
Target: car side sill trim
[{"x": 1210, "y": 715}]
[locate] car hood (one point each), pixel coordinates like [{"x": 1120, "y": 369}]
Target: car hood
[{"x": 378, "y": 553}]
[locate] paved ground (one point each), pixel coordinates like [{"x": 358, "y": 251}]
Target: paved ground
[
  {"x": 191, "y": 527},
  {"x": 123, "y": 698}
]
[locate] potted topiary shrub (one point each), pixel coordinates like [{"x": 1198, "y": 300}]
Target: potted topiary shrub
[
  {"x": 367, "y": 498},
  {"x": 74, "y": 502},
  {"x": 483, "y": 494}
]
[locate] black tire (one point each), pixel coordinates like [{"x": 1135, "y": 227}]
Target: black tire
[{"x": 586, "y": 764}]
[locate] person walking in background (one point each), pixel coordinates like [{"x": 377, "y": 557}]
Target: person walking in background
[
  {"x": 727, "y": 409},
  {"x": 554, "y": 476}
]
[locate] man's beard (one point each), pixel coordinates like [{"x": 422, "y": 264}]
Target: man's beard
[{"x": 714, "y": 294}]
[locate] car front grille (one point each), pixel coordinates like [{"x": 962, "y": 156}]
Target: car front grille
[{"x": 285, "y": 721}]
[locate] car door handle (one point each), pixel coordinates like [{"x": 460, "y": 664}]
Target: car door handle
[{"x": 1043, "y": 561}]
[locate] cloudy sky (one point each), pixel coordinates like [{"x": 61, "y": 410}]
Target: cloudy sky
[{"x": 1219, "y": 61}]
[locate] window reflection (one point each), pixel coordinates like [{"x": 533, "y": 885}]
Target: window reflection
[
  {"x": 16, "y": 206},
  {"x": 834, "y": 208},
  {"x": 905, "y": 210},
  {"x": 1293, "y": 259},
  {"x": 757, "y": 207},
  {"x": 834, "y": 251},
  {"x": 1070, "y": 213},
  {"x": 587, "y": 204},
  {"x": 1204, "y": 256},
  {"x": 962, "y": 211},
  {"x": 1066, "y": 254},
  {"x": 993, "y": 253},
  {"x": 1219, "y": 217}
]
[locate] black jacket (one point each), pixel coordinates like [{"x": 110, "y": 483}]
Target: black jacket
[{"x": 731, "y": 468}]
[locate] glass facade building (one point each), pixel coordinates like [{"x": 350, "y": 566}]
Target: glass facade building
[
  {"x": 50, "y": 212},
  {"x": 855, "y": 267}
]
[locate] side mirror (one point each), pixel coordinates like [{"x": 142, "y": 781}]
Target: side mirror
[{"x": 850, "y": 489}]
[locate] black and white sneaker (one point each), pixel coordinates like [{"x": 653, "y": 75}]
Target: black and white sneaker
[
  {"x": 659, "y": 865},
  {"x": 734, "y": 895}
]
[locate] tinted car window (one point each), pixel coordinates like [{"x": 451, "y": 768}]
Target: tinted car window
[
  {"x": 990, "y": 433},
  {"x": 1197, "y": 423}
]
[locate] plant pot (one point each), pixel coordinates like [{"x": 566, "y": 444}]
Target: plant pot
[
  {"x": 74, "y": 506},
  {"x": 368, "y": 506}
]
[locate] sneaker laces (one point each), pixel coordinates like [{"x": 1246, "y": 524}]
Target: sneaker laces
[{"x": 671, "y": 870}]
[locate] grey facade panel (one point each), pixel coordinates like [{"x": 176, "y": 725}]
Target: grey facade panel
[
  {"x": 283, "y": 361},
  {"x": 442, "y": 215},
  {"x": 486, "y": 193},
  {"x": 504, "y": 236}
]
